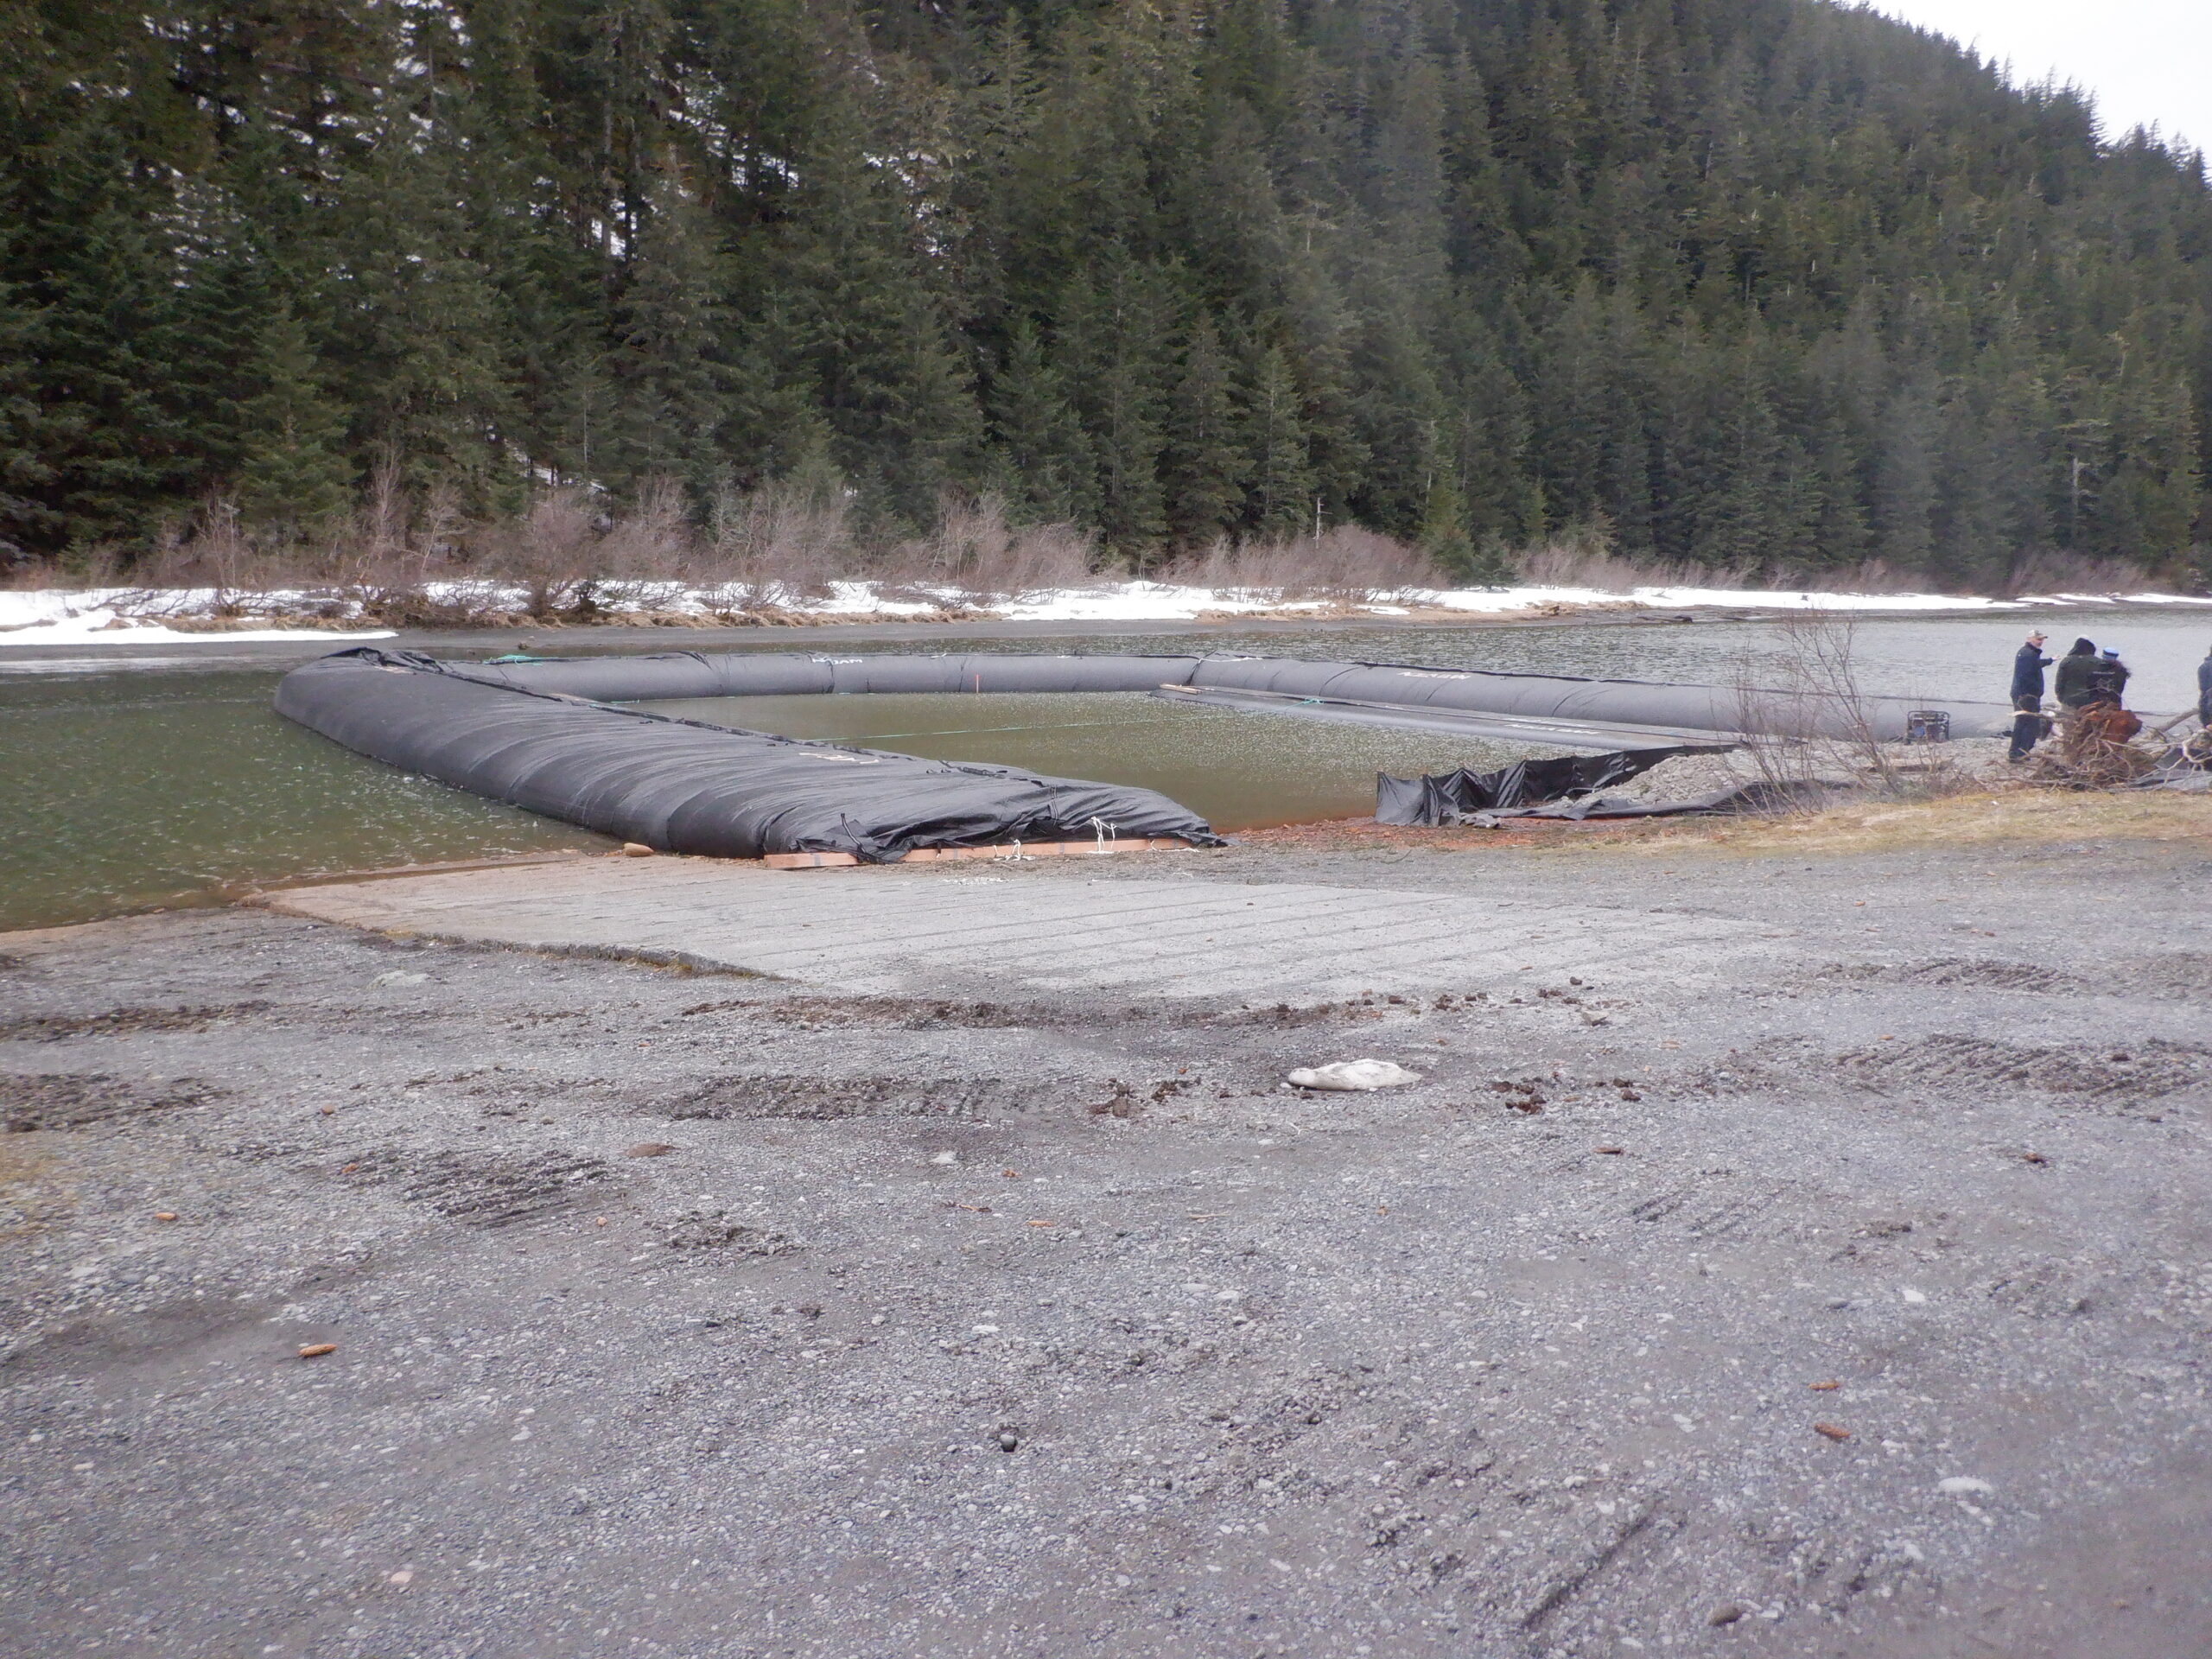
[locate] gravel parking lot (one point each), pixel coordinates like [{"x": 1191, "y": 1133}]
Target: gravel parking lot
[{"x": 1848, "y": 1297}]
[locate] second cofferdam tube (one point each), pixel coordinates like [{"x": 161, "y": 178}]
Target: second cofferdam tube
[{"x": 1721, "y": 710}]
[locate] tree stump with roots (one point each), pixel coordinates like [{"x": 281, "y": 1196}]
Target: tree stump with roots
[{"x": 2096, "y": 750}]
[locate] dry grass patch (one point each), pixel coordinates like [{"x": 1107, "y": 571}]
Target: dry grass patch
[
  {"x": 1974, "y": 817},
  {"x": 1969, "y": 818}
]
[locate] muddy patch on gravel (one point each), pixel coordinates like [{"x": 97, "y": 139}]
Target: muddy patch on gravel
[
  {"x": 1963, "y": 973},
  {"x": 485, "y": 1190},
  {"x": 895, "y": 1013},
  {"x": 77, "y": 1101},
  {"x": 2182, "y": 976},
  {"x": 1773, "y": 1063},
  {"x": 2041, "y": 1290},
  {"x": 1719, "y": 1206},
  {"x": 2120, "y": 1077},
  {"x": 123, "y": 1022},
  {"x": 712, "y": 1229},
  {"x": 937, "y": 1014},
  {"x": 2185, "y": 976},
  {"x": 728, "y": 1099}
]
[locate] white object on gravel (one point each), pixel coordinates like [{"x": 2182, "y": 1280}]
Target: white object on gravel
[
  {"x": 1964, "y": 1486},
  {"x": 399, "y": 976},
  {"x": 1353, "y": 1074}
]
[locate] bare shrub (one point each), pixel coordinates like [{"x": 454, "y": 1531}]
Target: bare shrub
[
  {"x": 1344, "y": 562},
  {"x": 552, "y": 552},
  {"x": 1805, "y": 719},
  {"x": 210, "y": 549},
  {"x": 1588, "y": 555},
  {"x": 654, "y": 541},
  {"x": 785, "y": 541},
  {"x": 975, "y": 549},
  {"x": 1042, "y": 557},
  {"x": 2047, "y": 570},
  {"x": 377, "y": 549}
]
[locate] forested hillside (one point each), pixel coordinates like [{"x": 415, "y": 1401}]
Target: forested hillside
[{"x": 1760, "y": 283}]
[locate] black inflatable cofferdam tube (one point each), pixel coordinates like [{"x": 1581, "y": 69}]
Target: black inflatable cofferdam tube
[
  {"x": 684, "y": 787},
  {"x": 693, "y": 674},
  {"x": 1547, "y": 696},
  {"x": 1633, "y": 702}
]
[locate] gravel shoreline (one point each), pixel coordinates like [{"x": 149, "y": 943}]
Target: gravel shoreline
[{"x": 696, "y": 1315}]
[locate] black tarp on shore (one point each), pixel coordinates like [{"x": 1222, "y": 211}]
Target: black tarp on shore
[{"x": 1450, "y": 797}]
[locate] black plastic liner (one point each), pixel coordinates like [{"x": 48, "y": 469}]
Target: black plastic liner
[
  {"x": 1451, "y": 797},
  {"x": 682, "y": 786}
]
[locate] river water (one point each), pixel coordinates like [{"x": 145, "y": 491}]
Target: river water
[{"x": 126, "y": 788}]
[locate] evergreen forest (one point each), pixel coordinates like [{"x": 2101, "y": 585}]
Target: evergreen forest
[{"x": 1763, "y": 285}]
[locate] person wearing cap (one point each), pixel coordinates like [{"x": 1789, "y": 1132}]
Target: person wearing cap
[
  {"x": 2073, "y": 687},
  {"x": 2108, "y": 680},
  {"x": 2028, "y": 665}
]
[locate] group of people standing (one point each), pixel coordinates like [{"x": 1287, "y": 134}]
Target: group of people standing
[{"x": 2087, "y": 678}]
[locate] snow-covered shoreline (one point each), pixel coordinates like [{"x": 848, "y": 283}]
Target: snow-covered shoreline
[{"x": 143, "y": 616}]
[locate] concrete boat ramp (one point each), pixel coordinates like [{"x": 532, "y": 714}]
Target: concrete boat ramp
[{"x": 1158, "y": 930}]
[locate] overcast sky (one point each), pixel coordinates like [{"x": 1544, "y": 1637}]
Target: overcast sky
[{"x": 2146, "y": 61}]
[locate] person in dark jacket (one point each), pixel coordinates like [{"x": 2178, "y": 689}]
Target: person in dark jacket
[
  {"x": 2073, "y": 687},
  {"x": 2028, "y": 665},
  {"x": 2204, "y": 691},
  {"x": 2108, "y": 680}
]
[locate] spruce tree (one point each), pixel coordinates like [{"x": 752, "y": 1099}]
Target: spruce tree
[
  {"x": 113, "y": 453},
  {"x": 1281, "y": 501},
  {"x": 1113, "y": 332},
  {"x": 1206, "y": 462},
  {"x": 424, "y": 342},
  {"x": 1048, "y": 470},
  {"x": 668, "y": 404},
  {"x": 1443, "y": 533},
  {"x": 25, "y": 522},
  {"x": 292, "y": 473}
]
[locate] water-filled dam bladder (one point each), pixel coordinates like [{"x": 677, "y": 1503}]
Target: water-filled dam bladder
[
  {"x": 683, "y": 786},
  {"x": 546, "y": 736}
]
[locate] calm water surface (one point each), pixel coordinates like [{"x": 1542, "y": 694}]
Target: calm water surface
[
  {"x": 1236, "y": 770},
  {"x": 126, "y": 789}
]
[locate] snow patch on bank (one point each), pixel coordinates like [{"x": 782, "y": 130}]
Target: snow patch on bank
[
  {"x": 186, "y": 616},
  {"x": 128, "y": 616}
]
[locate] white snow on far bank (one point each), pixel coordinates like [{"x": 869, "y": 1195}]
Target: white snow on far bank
[
  {"x": 90, "y": 617},
  {"x": 1676, "y": 599},
  {"x": 1141, "y": 602},
  {"x": 1149, "y": 601},
  {"x": 138, "y": 616}
]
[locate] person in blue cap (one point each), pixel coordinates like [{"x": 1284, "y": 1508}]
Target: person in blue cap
[
  {"x": 2108, "y": 680},
  {"x": 2028, "y": 665}
]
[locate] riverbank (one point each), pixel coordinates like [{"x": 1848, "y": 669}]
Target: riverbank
[
  {"x": 170, "y": 616},
  {"x": 1782, "y": 1253}
]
